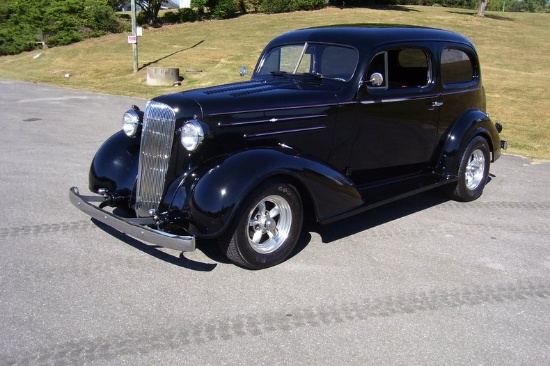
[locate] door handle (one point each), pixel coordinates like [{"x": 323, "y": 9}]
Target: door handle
[{"x": 437, "y": 104}]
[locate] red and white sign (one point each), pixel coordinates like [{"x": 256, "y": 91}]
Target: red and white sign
[{"x": 132, "y": 39}]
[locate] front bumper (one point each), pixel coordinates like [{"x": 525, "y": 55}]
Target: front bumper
[{"x": 132, "y": 227}]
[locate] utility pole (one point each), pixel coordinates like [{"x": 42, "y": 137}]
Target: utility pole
[{"x": 134, "y": 33}]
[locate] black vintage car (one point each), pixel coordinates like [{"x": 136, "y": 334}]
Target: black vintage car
[{"x": 333, "y": 121}]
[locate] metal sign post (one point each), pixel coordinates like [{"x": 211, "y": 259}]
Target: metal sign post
[{"x": 134, "y": 34}]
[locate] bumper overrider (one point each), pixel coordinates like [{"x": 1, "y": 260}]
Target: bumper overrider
[{"x": 134, "y": 227}]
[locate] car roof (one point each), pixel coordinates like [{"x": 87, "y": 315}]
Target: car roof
[{"x": 358, "y": 35}]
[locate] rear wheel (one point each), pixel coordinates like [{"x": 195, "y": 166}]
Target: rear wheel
[
  {"x": 267, "y": 228},
  {"x": 473, "y": 171}
]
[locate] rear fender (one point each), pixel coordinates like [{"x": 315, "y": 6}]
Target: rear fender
[
  {"x": 471, "y": 124},
  {"x": 211, "y": 195}
]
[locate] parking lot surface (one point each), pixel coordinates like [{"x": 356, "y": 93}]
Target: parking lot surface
[{"x": 421, "y": 281}]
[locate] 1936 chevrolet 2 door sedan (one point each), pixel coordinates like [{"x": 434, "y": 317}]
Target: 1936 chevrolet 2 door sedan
[{"x": 334, "y": 121}]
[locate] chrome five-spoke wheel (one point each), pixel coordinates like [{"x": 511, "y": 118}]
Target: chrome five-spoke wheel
[
  {"x": 266, "y": 228},
  {"x": 475, "y": 169},
  {"x": 269, "y": 224}
]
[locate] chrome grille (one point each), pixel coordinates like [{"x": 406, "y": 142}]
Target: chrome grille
[{"x": 157, "y": 136}]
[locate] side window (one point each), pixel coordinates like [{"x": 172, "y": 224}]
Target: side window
[
  {"x": 408, "y": 67},
  {"x": 403, "y": 68},
  {"x": 378, "y": 65},
  {"x": 457, "y": 67}
]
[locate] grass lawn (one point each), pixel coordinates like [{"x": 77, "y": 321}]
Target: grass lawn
[{"x": 514, "y": 49}]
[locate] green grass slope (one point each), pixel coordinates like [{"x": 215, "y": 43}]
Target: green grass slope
[{"x": 514, "y": 50}]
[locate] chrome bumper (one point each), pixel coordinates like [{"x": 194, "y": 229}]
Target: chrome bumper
[{"x": 132, "y": 227}]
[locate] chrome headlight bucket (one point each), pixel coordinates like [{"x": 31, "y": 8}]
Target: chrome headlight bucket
[
  {"x": 131, "y": 122},
  {"x": 191, "y": 135}
]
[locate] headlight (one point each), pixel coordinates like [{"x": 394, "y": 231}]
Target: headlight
[
  {"x": 192, "y": 135},
  {"x": 131, "y": 123}
]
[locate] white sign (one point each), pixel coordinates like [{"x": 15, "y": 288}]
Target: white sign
[
  {"x": 132, "y": 39},
  {"x": 139, "y": 31},
  {"x": 185, "y": 4}
]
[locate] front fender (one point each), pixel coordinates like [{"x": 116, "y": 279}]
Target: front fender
[
  {"x": 471, "y": 124},
  {"x": 115, "y": 165},
  {"x": 211, "y": 195}
]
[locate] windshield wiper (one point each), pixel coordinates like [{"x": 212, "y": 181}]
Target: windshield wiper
[
  {"x": 321, "y": 76},
  {"x": 315, "y": 75},
  {"x": 279, "y": 73}
]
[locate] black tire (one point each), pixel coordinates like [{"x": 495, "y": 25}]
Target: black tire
[
  {"x": 473, "y": 171},
  {"x": 266, "y": 228}
]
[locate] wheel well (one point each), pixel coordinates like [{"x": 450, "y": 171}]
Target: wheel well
[
  {"x": 307, "y": 200},
  {"x": 489, "y": 142}
]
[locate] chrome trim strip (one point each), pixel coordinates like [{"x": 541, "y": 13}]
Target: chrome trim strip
[
  {"x": 284, "y": 131},
  {"x": 131, "y": 227},
  {"x": 271, "y": 120},
  {"x": 306, "y": 106},
  {"x": 461, "y": 90},
  {"x": 399, "y": 99}
]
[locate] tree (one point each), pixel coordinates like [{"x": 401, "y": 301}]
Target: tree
[
  {"x": 151, "y": 9},
  {"x": 482, "y": 7},
  {"x": 26, "y": 25},
  {"x": 116, "y": 4}
]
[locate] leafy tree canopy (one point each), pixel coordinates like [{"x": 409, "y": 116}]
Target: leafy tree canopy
[{"x": 27, "y": 24}]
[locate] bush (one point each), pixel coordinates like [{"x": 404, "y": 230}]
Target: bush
[
  {"x": 142, "y": 18},
  {"x": 24, "y": 24},
  {"x": 310, "y": 4},
  {"x": 284, "y": 6},
  {"x": 251, "y": 6},
  {"x": 225, "y": 9},
  {"x": 170, "y": 17},
  {"x": 276, "y": 6}
]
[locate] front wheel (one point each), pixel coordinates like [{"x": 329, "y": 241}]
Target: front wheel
[
  {"x": 267, "y": 228},
  {"x": 473, "y": 171}
]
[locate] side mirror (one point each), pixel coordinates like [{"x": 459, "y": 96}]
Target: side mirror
[
  {"x": 376, "y": 79},
  {"x": 243, "y": 72}
]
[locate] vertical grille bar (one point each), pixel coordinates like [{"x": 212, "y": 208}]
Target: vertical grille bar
[{"x": 157, "y": 137}]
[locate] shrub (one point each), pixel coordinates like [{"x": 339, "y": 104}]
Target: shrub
[
  {"x": 170, "y": 17},
  {"x": 251, "y": 6},
  {"x": 56, "y": 22},
  {"x": 284, "y": 6},
  {"x": 188, "y": 15},
  {"x": 224, "y": 9},
  {"x": 310, "y": 4}
]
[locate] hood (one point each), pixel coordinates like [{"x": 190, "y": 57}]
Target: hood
[{"x": 255, "y": 96}]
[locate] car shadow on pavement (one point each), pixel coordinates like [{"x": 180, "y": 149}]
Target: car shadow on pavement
[
  {"x": 380, "y": 215},
  {"x": 154, "y": 251},
  {"x": 377, "y": 216},
  {"x": 328, "y": 233}
]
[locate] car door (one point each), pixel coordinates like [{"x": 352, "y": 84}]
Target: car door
[{"x": 395, "y": 127}]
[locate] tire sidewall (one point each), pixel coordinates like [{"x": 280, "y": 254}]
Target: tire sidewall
[
  {"x": 462, "y": 192},
  {"x": 240, "y": 237}
]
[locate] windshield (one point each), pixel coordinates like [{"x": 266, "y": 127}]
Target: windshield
[{"x": 320, "y": 60}]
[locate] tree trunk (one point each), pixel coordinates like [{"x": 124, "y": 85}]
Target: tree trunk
[{"x": 482, "y": 7}]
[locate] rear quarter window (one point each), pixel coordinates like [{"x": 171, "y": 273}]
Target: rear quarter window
[{"x": 457, "y": 67}]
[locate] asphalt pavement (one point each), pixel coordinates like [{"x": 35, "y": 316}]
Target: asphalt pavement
[{"x": 422, "y": 281}]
